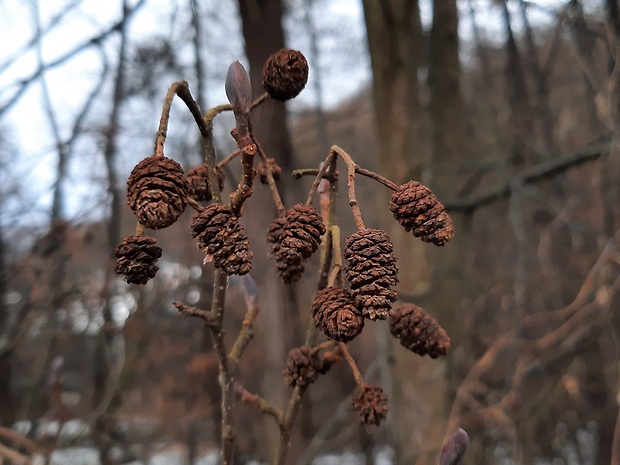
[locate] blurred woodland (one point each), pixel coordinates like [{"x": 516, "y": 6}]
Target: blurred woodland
[{"x": 509, "y": 110}]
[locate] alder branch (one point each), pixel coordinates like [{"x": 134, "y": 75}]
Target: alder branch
[{"x": 542, "y": 170}]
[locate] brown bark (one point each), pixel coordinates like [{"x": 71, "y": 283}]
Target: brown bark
[
  {"x": 395, "y": 45},
  {"x": 450, "y": 146}
]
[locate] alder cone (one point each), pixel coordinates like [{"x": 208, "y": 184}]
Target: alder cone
[
  {"x": 220, "y": 234},
  {"x": 418, "y": 331},
  {"x": 303, "y": 367},
  {"x": 417, "y": 209},
  {"x": 295, "y": 235},
  {"x": 371, "y": 269},
  {"x": 136, "y": 258},
  {"x": 371, "y": 403},
  {"x": 198, "y": 180},
  {"x": 336, "y": 315},
  {"x": 285, "y": 74},
  {"x": 157, "y": 191}
]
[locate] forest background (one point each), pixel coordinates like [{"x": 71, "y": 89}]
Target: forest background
[{"x": 508, "y": 109}]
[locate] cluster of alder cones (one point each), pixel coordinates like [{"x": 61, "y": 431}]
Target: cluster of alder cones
[
  {"x": 370, "y": 268},
  {"x": 158, "y": 192}
]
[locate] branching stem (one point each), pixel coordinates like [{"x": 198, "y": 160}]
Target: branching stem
[{"x": 359, "y": 379}]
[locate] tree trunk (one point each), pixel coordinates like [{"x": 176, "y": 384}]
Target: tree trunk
[
  {"x": 450, "y": 147},
  {"x": 395, "y": 45}
]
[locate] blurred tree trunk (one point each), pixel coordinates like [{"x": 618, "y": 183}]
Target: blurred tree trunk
[
  {"x": 104, "y": 351},
  {"x": 263, "y": 35},
  {"x": 395, "y": 45},
  {"x": 450, "y": 147}
]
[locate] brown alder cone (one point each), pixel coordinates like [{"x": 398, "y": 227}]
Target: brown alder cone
[
  {"x": 294, "y": 236},
  {"x": 136, "y": 258},
  {"x": 276, "y": 170},
  {"x": 304, "y": 367},
  {"x": 371, "y": 403},
  {"x": 417, "y": 209},
  {"x": 220, "y": 234},
  {"x": 285, "y": 74},
  {"x": 198, "y": 179},
  {"x": 157, "y": 191},
  {"x": 371, "y": 269},
  {"x": 336, "y": 315},
  {"x": 418, "y": 331}
]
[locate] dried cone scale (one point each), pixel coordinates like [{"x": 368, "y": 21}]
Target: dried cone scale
[
  {"x": 418, "y": 331},
  {"x": 136, "y": 258},
  {"x": 336, "y": 315},
  {"x": 294, "y": 236},
  {"x": 220, "y": 234},
  {"x": 285, "y": 74},
  {"x": 157, "y": 191},
  {"x": 371, "y": 269},
  {"x": 371, "y": 403},
  {"x": 417, "y": 209},
  {"x": 198, "y": 179}
]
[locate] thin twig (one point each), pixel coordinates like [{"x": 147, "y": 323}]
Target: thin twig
[
  {"x": 319, "y": 176},
  {"x": 227, "y": 377},
  {"x": 263, "y": 405},
  {"x": 213, "y": 112},
  {"x": 206, "y": 134},
  {"x": 272, "y": 183},
  {"x": 160, "y": 139},
  {"x": 377, "y": 177},
  {"x": 351, "y": 166},
  {"x": 244, "y": 337},
  {"x": 186, "y": 310},
  {"x": 229, "y": 158},
  {"x": 359, "y": 379}
]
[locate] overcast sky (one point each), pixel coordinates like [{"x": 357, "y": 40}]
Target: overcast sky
[{"x": 344, "y": 70}]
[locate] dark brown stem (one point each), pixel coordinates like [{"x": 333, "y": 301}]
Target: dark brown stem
[
  {"x": 322, "y": 346},
  {"x": 272, "y": 183},
  {"x": 229, "y": 158},
  {"x": 227, "y": 377},
  {"x": 320, "y": 175},
  {"x": 336, "y": 270},
  {"x": 351, "y": 167},
  {"x": 163, "y": 121},
  {"x": 359, "y": 379},
  {"x": 206, "y": 134},
  {"x": 248, "y": 150},
  {"x": 186, "y": 310},
  {"x": 377, "y": 177},
  {"x": 287, "y": 422},
  {"x": 195, "y": 205}
]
